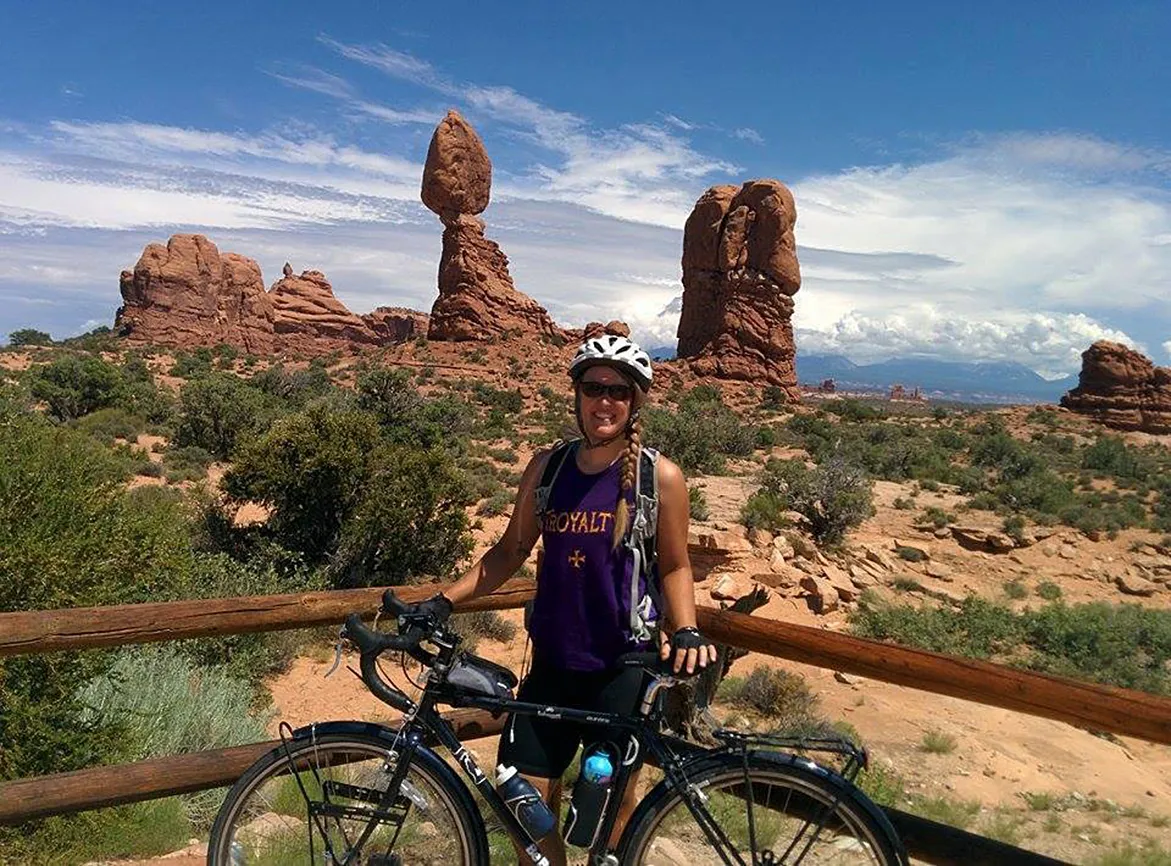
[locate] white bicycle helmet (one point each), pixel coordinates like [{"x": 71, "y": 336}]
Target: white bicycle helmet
[{"x": 614, "y": 351}]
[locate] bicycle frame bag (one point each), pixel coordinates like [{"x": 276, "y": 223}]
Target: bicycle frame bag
[{"x": 478, "y": 676}]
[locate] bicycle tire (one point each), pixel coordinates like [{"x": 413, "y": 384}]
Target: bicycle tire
[
  {"x": 808, "y": 817},
  {"x": 265, "y": 817}
]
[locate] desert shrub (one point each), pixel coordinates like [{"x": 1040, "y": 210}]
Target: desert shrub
[
  {"x": 106, "y": 425},
  {"x": 853, "y": 409},
  {"x": 1014, "y": 527},
  {"x": 497, "y": 503},
  {"x": 167, "y": 705},
  {"x": 70, "y": 536},
  {"x": 765, "y": 510},
  {"x": 186, "y": 463},
  {"x": 1109, "y": 455},
  {"x": 294, "y": 389},
  {"x": 910, "y": 554},
  {"x": 191, "y": 365},
  {"x": 773, "y": 398},
  {"x": 217, "y": 411},
  {"x": 75, "y": 385},
  {"x": 937, "y": 742},
  {"x": 903, "y": 504},
  {"x": 339, "y": 492},
  {"x": 503, "y": 455},
  {"x": 701, "y": 434},
  {"x": 937, "y": 517},
  {"x": 1015, "y": 590},
  {"x": 772, "y": 692},
  {"x": 390, "y": 395},
  {"x": 511, "y": 402},
  {"x": 478, "y": 624},
  {"x": 1049, "y": 590},
  {"x": 1123, "y": 645},
  {"x": 100, "y": 339},
  {"x": 29, "y": 337},
  {"x": 697, "y": 504},
  {"x": 833, "y": 496}
]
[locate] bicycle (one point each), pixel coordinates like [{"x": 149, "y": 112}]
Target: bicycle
[{"x": 351, "y": 793}]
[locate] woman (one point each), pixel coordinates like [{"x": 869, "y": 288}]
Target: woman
[{"x": 582, "y": 619}]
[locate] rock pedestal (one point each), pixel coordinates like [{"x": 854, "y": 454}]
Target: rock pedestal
[
  {"x": 477, "y": 299},
  {"x": 740, "y": 272}
]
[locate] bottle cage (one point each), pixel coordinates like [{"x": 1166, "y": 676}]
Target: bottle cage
[{"x": 640, "y": 537}]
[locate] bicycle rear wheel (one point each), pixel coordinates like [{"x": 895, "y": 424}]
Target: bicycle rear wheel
[
  {"x": 786, "y": 815},
  {"x": 319, "y": 813}
]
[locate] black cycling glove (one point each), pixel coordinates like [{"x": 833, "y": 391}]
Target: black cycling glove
[
  {"x": 437, "y": 608},
  {"x": 687, "y": 638}
]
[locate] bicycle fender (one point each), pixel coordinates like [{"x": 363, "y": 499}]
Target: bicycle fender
[{"x": 346, "y": 727}]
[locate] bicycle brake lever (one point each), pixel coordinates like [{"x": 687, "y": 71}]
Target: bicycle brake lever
[{"x": 337, "y": 657}]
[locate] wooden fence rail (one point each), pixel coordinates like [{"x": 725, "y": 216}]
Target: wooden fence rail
[
  {"x": 99, "y": 787},
  {"x": 1088, "y": 705}
]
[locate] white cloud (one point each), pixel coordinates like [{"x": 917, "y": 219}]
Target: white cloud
[
  {"x": 747, "y": 133},
  {"x": 1167, "y": 349},
  {"x": 1050, "y": 344}
]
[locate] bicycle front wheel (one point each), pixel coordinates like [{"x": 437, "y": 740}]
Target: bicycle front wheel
[
  {"x": 319, "y": 803},
  {"x": 773, "y": 812}
]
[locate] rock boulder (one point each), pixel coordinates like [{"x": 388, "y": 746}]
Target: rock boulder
[
  {"x": 1123, "y": 389},
  {"x": 310, "y": 320}
]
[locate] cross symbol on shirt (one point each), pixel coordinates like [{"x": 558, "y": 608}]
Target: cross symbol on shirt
[{"x": 576, "y": 559}]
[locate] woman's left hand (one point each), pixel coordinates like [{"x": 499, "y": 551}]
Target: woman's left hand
[{"x": 690, "y": 648}]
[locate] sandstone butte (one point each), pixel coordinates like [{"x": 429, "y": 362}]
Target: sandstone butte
[
  {"x": 477, "y": 299},
  {"x": 187, "y": 293},
  {"x": 1123, "y": 389},
  {"x": 740, "y": 273}
]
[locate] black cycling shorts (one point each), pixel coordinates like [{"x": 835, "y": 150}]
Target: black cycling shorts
[{"x": 544, "y": 747}]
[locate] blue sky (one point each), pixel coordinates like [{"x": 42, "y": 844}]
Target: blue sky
[{"x": 973, "y": 181}]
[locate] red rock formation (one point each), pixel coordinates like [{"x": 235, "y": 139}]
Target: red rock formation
[
  {"x": 396, "y": 324},
  {"x": 308, "y": 318},
  {"x": 187, "y": 294},
  {"x": 740, "y": 272},
  {"x": 477, "y": 300},
  {"x": 1122, "y": 388}
]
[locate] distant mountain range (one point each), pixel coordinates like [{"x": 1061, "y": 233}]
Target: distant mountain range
[{"x": 978, "y": 382}]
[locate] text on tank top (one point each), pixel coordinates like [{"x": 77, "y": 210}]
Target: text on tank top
[{"x": 581, "y": 615}]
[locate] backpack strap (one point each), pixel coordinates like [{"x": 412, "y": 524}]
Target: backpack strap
[
  {"x": 641, "y": 542},
  {"x": 549, "y": 474}
]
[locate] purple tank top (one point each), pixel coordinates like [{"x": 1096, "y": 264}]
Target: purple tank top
[{"x": 581, "y": 615}]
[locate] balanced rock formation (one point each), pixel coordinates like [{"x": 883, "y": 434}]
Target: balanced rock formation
[
  {"x": 477, "y": 299},
  {"x": 185, "y": 294},
  {"x": 1123, "y": 389},
  {"x": 740, "y": 273},
  {"x": 309, "y": 320}
]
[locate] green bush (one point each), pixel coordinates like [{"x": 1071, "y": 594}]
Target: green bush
[
  {"x": 339, "y": 492},
  {"x": 75, "y": 385},
  {"x": 192, "y": 365},
  {"x": 29, "y": 337},
  {"x": 833, "y": 496},
  {"x": 106, "y": 425},
  {"x": 701, "y": 435},
  {"x": 217, "y": 411},
  {"x": 910, "y": 554},
  {"x": 1123, "y": 645},
  {"x": 497, "y": 503},
  {"x": 772, "y": 692},
  {"x": 70, "y": 537},
  {"x": 1109, "y": 455},
  {"x": 697, "y": 504},
  {"x": 765, "y": 510}
]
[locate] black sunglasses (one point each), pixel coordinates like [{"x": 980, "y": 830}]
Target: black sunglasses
[{"x": 618, "y": 393}]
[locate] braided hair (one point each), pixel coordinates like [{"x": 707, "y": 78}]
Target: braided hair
[{"x": 630, "y": 460}]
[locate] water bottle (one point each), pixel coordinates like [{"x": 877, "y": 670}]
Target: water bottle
[
  {"x": 591, "y": 793},
  {"x": 525, "y": 803}
]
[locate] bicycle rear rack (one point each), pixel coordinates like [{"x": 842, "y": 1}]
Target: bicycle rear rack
[{"x": 854, "y": 757}]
